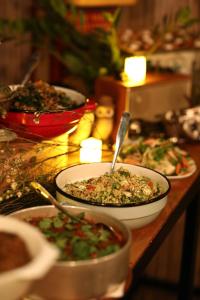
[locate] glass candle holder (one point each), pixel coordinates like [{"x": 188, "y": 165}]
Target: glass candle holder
[{"x": 135, "y": 69}]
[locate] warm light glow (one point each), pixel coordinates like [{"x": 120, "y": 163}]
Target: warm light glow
[
  {"x": 90, "y": 150},
  {"x": 135, "y": 69}
]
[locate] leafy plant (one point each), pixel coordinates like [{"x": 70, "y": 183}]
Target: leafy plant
[
  {"x": 85, "y": 55},
  {"x": 171, "y": 23}
]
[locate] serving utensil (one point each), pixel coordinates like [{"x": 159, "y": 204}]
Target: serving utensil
[
  {"x": 6, "y": 93},
  {"x": 123, "y": 126},
  {"x": 42, "y": 191}
]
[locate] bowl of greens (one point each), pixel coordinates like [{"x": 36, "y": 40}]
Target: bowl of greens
[
  {"x": 94, "y": 252},
  {"x": 40, "y": 110}
]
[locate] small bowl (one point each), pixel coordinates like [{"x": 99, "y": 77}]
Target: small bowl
[
  {"x": 15, "y": 283},
  {"x": 132, "y": 215},
  {"x": 85, "y": 279},
  {"x": 46, "y": 125}
]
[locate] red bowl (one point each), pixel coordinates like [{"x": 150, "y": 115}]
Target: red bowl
[{"x": 49, "y": 124}]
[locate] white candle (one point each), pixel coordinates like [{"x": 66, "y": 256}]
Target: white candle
[
  {"x": 91, "y": 150},
  {"x": 135, "y": 69}
]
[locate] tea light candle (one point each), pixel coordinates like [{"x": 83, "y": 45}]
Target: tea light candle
[
  {"x": 91, "y": 150},
  {"x": 135, "y": 69}
]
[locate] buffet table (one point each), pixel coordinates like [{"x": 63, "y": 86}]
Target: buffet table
[{"x": 183, "y": 197}]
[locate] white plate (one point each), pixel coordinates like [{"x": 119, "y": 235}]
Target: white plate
[
  {"x": 192, "y": 168},
  {"x": 191, "y": 171}
]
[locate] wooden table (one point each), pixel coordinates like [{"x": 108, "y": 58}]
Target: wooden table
[{"x": 183, "y": 197}]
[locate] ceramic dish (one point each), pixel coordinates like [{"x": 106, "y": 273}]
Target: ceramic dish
[
  {"x": 161, "y": 155},
  {"x": 191, "y": 170},
  {"x": 84, "y": 279},
  {"x": 133, "y": 215},
  {"x": 47, "y": 125},
  {"x": 16, "y": 282}
]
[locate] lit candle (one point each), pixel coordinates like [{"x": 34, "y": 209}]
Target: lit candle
[
  {"x": 90, "y": 150},
  {"x": 135, "y": 69}
]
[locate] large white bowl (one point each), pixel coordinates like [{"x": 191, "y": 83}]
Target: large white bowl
[
  {"x": 15, "y": 283},
  {"x": 84, "y": 279},
  {"x": 134, "y": 216}
]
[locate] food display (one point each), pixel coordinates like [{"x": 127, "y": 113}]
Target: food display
[
  {"x": 133, "y": 194},
  {"x": 40, "y": 96},
  {"x": 78, "y": 238},
  {"x": 39, "y": 111},
  {"x": 118, "y": 188},
  {"x": 161, "y": 155},
  {"x": 97, "y": 257},
  {"x": 13, "y": 252},
  {"x": 25, "y": 256}
]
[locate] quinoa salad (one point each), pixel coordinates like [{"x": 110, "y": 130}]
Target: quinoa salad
[{"x": 117, "y": 188}]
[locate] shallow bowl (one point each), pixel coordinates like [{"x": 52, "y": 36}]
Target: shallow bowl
[
  {"x": 132, "y": 215},
  {"x": 86, "y": 279}
]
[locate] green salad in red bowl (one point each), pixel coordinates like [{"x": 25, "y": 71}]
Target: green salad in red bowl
[{"x": 40, "y": 110}]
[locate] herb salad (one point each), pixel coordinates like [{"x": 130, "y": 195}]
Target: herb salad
[
  {"x": 40, "y": 96},
  {"x": 117, "y": 188},
  {"x": 161, "y": 155},
  {"x": 78, "y": 238}
]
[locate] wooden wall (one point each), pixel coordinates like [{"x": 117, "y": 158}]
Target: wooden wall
[{"x": 12, "y": 55}]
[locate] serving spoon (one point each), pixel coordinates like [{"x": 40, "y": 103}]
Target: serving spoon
[
  {"x": 123, "y": 126},
  {"x": 6, "y": 93},
  {"x": 42, "y": 191}
]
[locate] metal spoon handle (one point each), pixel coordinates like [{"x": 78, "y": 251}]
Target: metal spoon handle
[
  {"x": 6, "y": 94},
  {"x": 32, "y": 64},
  {"x": 123, "y": 126},
  {"x": 42, "y": 191}
]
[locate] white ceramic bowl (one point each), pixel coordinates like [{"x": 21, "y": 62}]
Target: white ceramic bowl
[
  {"x": 134, "y": 216},
  {"x": 15, "y": 283},
  {"x": 86, "y": 279}
]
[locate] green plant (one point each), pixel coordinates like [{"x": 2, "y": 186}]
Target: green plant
[
  {"x": 85, "y": 55},
  {"x": 171, "y": 23}
]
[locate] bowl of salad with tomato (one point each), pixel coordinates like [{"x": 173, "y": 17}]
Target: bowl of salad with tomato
[
  {"x": 94, "y": 252},
  {"x": 134, "y": 194}
]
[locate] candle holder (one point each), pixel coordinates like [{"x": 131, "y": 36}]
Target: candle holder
[{"x": 135, "y": 70}]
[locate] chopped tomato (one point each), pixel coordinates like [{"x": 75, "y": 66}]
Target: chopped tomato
[
  {"x": 90, "y": 187},
  {"x": 150, "y": 184},
  {"x": 80, "y": 233},
  {"x": 178, "y": 168},
  {"x": 184, "y": 162},
  {"x": 93, "y": 255}
]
